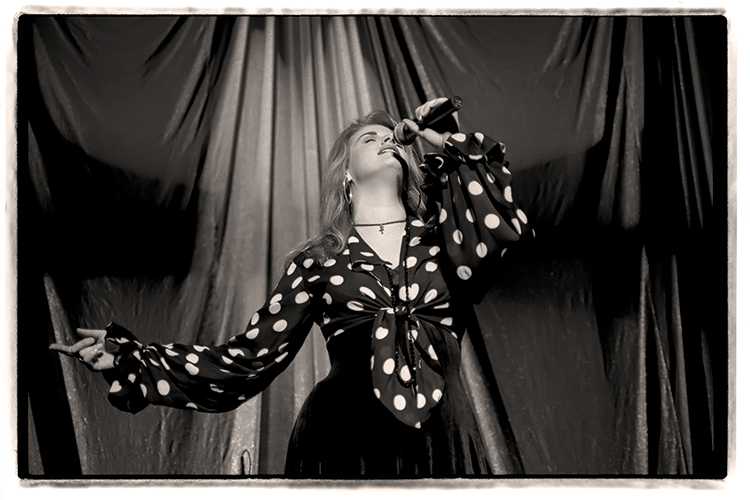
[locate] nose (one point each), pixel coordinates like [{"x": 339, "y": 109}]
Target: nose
[{"x": 389, "y": 138}]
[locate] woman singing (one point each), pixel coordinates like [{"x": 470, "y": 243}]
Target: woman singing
[{"x": 376, "y": 280}]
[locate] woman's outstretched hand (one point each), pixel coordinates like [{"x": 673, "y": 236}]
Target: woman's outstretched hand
[
  {"x": 433, "y": 137},
  {"x": 92, "y": 350}
]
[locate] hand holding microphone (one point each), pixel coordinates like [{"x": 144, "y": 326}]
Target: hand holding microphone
[{"x": 434, "y": 113}]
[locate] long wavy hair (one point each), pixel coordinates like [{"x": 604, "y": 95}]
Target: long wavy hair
[{"x": 335, "y": 214}]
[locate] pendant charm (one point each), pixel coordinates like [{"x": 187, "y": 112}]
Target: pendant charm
[{"x": 382, "y": 229}]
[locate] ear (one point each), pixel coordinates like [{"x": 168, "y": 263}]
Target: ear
[{"x": 348, "y": 176}]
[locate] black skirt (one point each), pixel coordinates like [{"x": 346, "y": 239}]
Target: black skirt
[{"x": 343, "y": 431}]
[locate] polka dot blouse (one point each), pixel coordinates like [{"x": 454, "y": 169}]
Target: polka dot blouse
[{"x": 476, "y": 219}]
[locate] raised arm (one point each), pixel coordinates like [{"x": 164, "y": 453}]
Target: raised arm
[{"x": 470, "y": 183}]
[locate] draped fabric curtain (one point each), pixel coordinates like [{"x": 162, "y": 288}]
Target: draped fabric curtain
[{"x": 179, "y": 159}]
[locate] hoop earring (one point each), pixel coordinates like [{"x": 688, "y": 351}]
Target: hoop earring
[{"x": 348, "y": 189}]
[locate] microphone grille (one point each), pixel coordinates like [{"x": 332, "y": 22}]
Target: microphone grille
[{"x": 400, "y": 134}]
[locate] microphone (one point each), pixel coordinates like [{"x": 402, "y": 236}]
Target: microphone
[{"x": 406, "y": 136}]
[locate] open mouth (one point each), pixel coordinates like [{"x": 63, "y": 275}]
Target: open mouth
[{"x": 392, "y": 149}]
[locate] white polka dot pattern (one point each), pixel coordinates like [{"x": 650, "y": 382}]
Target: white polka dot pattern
[
  {"x": 482, "y": 250},
  {"x": 280, "y": 358},
  {"x": 399, "y": 402},
  {"x": 162, "y": 387},
  {"x": 463, "y": 272},
  {"x": 431, "y": 352},
  {"x": 475, "y": 210},
  {"x": 337, "y": 280},
  {"x": 388, "y": 366},
  {"x": 491, "y": 221},
  {"x": 521, "y": 216},
  {"x": 355, "y": 306}
]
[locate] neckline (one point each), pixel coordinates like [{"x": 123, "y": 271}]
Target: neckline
[{"x": 383, "y": 261}]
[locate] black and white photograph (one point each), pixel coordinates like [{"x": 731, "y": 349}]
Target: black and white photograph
[{"x": 365, "y": 247}]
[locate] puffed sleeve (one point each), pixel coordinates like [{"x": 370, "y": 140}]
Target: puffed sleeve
[
  {"x": 213, "y": 378},
  {"x": 471, "y": 186}
]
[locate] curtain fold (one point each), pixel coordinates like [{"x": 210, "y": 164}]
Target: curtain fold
[{"x": 198, "y": 142}]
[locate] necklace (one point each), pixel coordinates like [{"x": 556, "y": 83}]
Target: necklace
[{"x": 380, "y": 224}]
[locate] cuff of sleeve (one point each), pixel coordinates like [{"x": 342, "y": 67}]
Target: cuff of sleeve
[
  {"x": 466, "y": 148},
  {"x": 125, "y": 343},
  {"x": 459, "y": 149},
  {"x": 124, "y": 392}
]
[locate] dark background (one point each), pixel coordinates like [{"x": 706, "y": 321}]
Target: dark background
[{"x": 602, "y": 344}]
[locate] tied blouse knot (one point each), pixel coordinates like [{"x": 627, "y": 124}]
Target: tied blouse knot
[{"x": 475, "y": 218}]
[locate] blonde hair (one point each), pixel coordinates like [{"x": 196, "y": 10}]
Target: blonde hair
[{"x": 335, "y": 214}]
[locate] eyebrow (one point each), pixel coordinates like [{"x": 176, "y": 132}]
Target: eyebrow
[{"x": 371, "y": 132}]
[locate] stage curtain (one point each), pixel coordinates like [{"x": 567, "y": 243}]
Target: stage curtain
[
  {"x": 167, "y": 164},
  {"x": 608, "y": 352}
]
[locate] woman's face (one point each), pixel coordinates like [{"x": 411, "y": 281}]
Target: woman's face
[{"x": 374, "y": 154}]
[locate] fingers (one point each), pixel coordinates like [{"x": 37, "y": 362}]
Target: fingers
[
  {"x": 90, "y": 355},
  {"x": 85, "y": 332},
  {"x": 411, "y": 125},
  {"x": 73, "y": 350},
  {"x": 425, "y": 108}
]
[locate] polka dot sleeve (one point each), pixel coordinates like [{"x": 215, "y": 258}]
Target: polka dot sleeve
[
  {"x": 213, "y": 378},
  {"x": 477, "y": 214}
]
